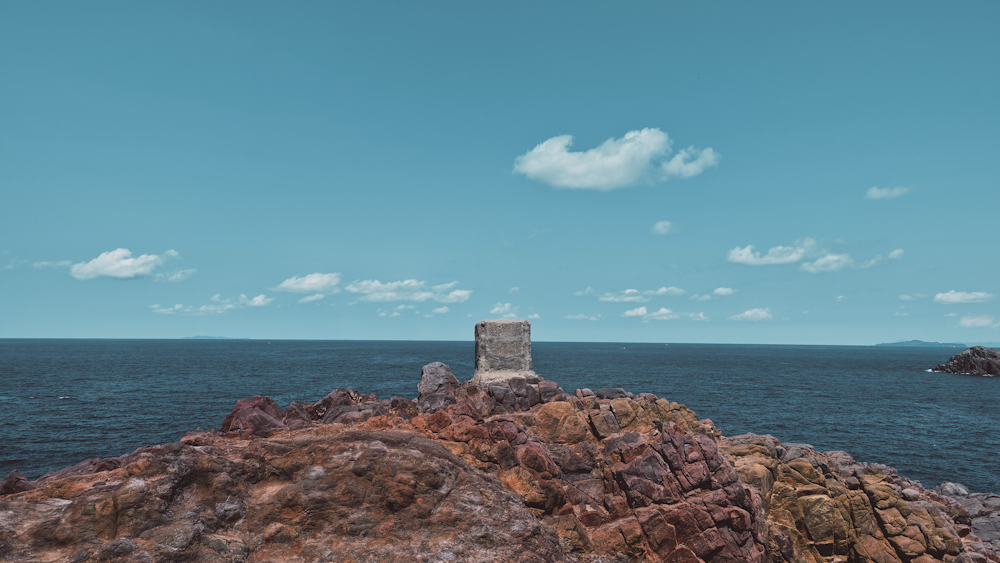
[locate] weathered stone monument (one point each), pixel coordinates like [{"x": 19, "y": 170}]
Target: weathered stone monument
[{"x": 503, "y": 351}]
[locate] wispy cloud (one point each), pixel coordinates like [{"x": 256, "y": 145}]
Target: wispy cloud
[
  {"x": 311, "y": 298},
  {"x": 719, "y": 292},
  {"x": 534, "y": 316},
  {"x": 828, "y": 263},
  {"x": 585, "y": 292},
  {"x": 976, "y": 321},
  {"x": 896, "y": 254},
  {"x": 119, "y": 263},
  {"x": 311, "y": 283},
  {"x": 15, "y": 263},
  {"x": 776, "y": 254},
  {"x": 175, "y": 276},
  {"x": 690, "y": 162},
  {"x": 217, "y": 307},
  {"x": 442, "y": 310},
  {"x": 582, "y": 317},
  {"x": 663, "y": 314},
  {"x": 408, "y": 290},
  {"x": 753, "y": 315},
  {"x": 616, "y": 163},
  {"x": 636, "y": 296},
  {"x": 914, "y": 297},
  {"x": 876, "y": 192},
  {"x": 698, "y": 317},
  {"x": 662, "y": 227},
  {"x": 505, "y": 310},
  {"x": 955, "y": 297},
  {"x": 45, "y": 265},
  {"x": 514, "y": 289}
]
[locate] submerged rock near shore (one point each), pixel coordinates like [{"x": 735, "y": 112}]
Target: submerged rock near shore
[
  {"x": 516, "y": 471},
  {"x": 978, "y": 360}
]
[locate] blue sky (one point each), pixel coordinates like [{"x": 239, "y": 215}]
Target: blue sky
[{"x": 653, "y": 172}]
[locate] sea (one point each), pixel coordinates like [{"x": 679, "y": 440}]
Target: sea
[{"x": 64, "y": 401}]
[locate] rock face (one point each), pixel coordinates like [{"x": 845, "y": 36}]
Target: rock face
[
  {"x": 828, "y": 507},
  {"x": 503, "y": 350},
  {"x": 982, "y": 512},
  {"x": 978, "y": 360},
  {"x": 516, "y": 471}
]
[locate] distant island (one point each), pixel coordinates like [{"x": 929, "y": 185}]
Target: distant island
[
  {"x": 922, "y": 344},
  {"x": 210, "y": 338}
]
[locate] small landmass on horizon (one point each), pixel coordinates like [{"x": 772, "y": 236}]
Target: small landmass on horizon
[
  {"x": 922, "y": 344},
  {"x": 210, "y": 338}
]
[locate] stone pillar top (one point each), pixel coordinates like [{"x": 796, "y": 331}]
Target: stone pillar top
[{"x": 503, "y": 351}]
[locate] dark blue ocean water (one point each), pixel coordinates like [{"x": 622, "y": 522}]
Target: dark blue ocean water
[{"x": 63, "y": 401}]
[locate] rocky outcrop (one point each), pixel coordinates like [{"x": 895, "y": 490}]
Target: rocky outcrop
[
  {"x": 978, "y": 360},
  {"x": 517, "y": 471},
  {"x": 980, "y": 512},
  {"x": 827, "y": 507}
]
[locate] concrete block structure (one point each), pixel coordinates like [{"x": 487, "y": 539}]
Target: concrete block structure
[{"x": 503, "y": 351}]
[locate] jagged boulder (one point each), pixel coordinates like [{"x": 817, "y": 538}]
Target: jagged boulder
[{"x": 978, "y": 360}]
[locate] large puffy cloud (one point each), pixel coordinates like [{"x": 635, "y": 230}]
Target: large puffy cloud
[
  {"x": 311, "y": 283},
  {"x": 876, "y": 192},
  {"x": 776, "y": 255},
  {"x": 616, "y": 163},
  {"x": 408, "y": 290},
  {"x": 753, "y": 315},
  {"x": 954, "y": 297},
  {"x": 119, "y": 263}
]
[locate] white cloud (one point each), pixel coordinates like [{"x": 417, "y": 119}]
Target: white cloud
[
  {"x": 896, "y": 254},
  {"x": 311, "y": 283},
  {"x": 876, "y": 192},
  {"x": 119, "y": 263},
  {"x": 666, "y": 291},
  {"x": 584, "y": 292},
  {"x": 505, "y": 310},
  {"x": 514, "y": 289},
  {"x": 408, "y": 290},
  {"x": 952, "y": 297},
  {"x": 42, "y": 265},
  {"x": 636, "y": 296},
  {"x": 616, "y": 163},
  {"x": 703, "y": 297},
  {"x": 776, "y": 255},
  {"x": 975, "y": 321},
  {"x": 840, "y": 298},
  {"x": 534, "y": 316},
  {"x": 311, "y": 298},
  {"x": 698, "y": 317},
  {"x": 637, "y": 312},
  {"x": 441, "y": 310},
  {"x": 724, "y": 291},
  {"x": 627, "y": 296},
  {"x": 405, "y": 307},
  {"x": 753, "y": 315},
  {"x": 913, "y": 297},
  {"x": 828, "y": 263},
  {"x": 663, "y": 314},
  {"x": 217, "y": 307},
  {"x": 175, "y": 276},
  {"x": 690, "y": 162},
  {"x": 582, "y": 317},
  {"x": 662, "y": 227}
]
